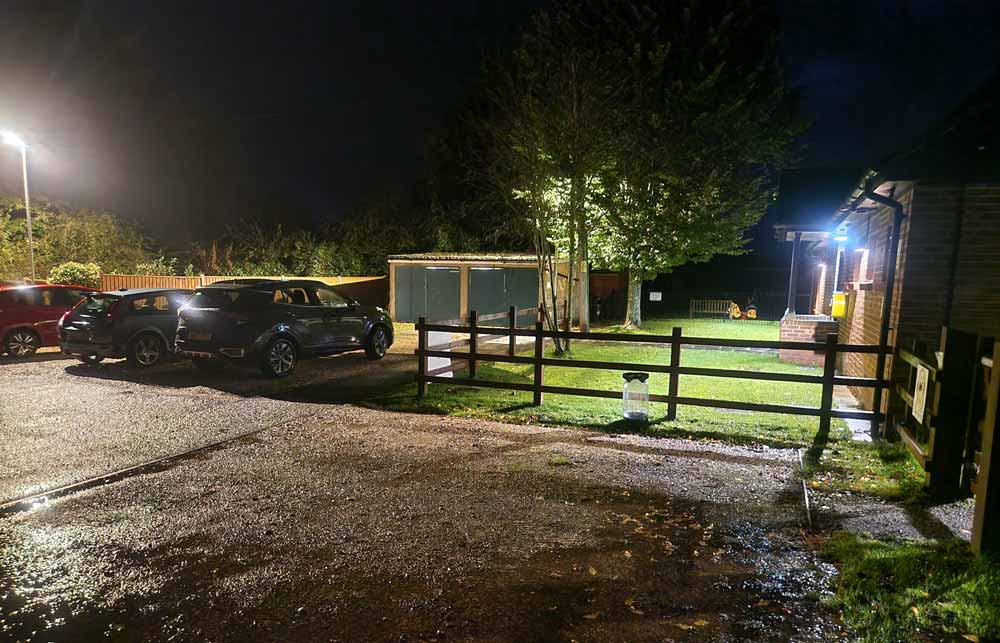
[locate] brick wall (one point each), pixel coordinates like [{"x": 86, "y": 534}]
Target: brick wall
[
  {"x": 864, "y": 280},
  {"x": 805, "y": 328},
  {"x": 976, "y": 304}
]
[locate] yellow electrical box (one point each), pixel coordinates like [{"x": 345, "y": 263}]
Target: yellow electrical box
[{"x": 838, "y": 306}]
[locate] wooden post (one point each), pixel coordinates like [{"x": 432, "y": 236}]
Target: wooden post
[
  {"x": 473, "y": 342},
  {"x": 829, "y": 372},
  {"x": 986, "y": 519},
  {"x": 675, "y": 362},
  {"x": 512, "y": 340},
  {"x": 421, "y": 358},
  {"x": 947, "y": 445},
  {"x": 539, "y": 353}
]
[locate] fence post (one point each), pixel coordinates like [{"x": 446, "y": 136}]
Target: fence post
[
  {"x": 421, "y": 358},
  {"x": 512, "y": 340},
  {"x": 539, "y": 345},
  {"x": 986, "y": 518},
  {"x": 957, "y": 375},
  {"x": 675, "y": 362},
  {"x": 473, "y": 342},
  {"x": 829, "y": 372}
]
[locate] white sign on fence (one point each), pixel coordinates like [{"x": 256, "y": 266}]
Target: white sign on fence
[
  {"x": 655, "y": 296},
  {"x": 437, "y": 338},
  {"x": 920, "y": 393}
]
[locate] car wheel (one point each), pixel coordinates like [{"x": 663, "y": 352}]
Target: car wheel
[
  {"x": 279, "y": 358},
  {"x": 90, "y": 360},
  {"x": 21, "y": 343},
  {"x": 146, "y": 350},
  {"x": 377, "y": 344}
]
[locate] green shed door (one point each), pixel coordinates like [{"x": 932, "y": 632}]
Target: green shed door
[
  {"x": 408, "y": 284},
  {"x": 442, "y": 294},
  {"x": 487, "y": 293},
  {"x": 522, "y": 290}
]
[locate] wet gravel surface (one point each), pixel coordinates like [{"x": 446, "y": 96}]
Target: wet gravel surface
[
  {"x": 344, "y": 523},
  {"x": 62, "y": 421}
]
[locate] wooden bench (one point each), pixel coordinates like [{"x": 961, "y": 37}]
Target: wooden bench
[{"x": 714, "y": 307}]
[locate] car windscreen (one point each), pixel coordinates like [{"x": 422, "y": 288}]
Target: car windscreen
[{"x": 96, "y": 304}]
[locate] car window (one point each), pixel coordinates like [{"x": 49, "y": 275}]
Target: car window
[
  {"x": 151, "y": 304},
  {"x": 330, "y": 299},
  {"x": 293, "y": 295},
  {"x": 66, "y": 297},
  {"x": 97, "y": 304},
  {"x": 47, "y": 296},
  {"x": 26, "y": 297}
]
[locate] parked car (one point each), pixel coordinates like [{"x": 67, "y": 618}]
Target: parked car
[
  {"x": 274, "y": 324},
  {"x": 29, "y": 315},
  {"x": 137, "y": 324}
]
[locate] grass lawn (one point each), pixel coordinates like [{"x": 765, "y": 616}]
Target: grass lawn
[
  {"x": 899, "y": 590},
  {"x": 833, "y": 461},
  {"x": 704, "y": 327}
]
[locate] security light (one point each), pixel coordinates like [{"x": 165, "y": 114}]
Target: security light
[{"x": 10, "y": 138}]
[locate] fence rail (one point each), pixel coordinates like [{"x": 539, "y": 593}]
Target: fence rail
[{"x": 831, "y": 349}]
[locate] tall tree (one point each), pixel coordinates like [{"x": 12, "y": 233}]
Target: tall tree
[{"x": 701, "y": 127}]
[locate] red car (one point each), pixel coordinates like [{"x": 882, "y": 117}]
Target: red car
[{"x": 29, "y": 315}]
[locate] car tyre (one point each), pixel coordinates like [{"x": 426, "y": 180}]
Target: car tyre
[
  {"x": 90, "y": 360},
  {"x": 21, "y": 343},
  {"x": 279, "y": 357},
  {"x": 377, "y": 343},
  {"x": 146, "y": 350}
]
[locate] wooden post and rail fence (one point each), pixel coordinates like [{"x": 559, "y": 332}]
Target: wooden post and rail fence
[
  {"x": 469, "y": 360},
  {"x": 946, "y": 413}
]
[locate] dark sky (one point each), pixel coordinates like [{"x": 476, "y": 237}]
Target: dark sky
[{"x": 187, "y": 116}]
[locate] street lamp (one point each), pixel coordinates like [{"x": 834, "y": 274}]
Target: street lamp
[{"x": 10, "y": 138}]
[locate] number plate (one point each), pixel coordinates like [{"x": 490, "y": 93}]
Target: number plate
[{"x": 200, "y": 336}]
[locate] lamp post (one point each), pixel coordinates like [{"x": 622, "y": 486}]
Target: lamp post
[{"x": 10, "y": 138}]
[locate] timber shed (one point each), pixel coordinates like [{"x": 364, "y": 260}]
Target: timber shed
[{"x": 446, "y": 285}]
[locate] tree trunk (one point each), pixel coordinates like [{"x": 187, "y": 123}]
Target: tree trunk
[
  {"x": 584, "y": 277},
  {"x": 633, "y": 309}
]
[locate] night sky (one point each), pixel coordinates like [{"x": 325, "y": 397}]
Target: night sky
[{"x": 187, "y": 116}]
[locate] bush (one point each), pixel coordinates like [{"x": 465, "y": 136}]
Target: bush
[
  {"x": 76, "y": 274},
  {"x": 157, "y": 266}
]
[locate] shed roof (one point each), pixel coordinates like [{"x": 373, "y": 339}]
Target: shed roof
[{"x": 495, "y": 257}]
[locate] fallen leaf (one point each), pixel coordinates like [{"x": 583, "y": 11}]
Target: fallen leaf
[
  {"x": 762, "y": 603},
  {"x": 971, "y": 637},
  {"x": 591, "y": 617},
  {"x": 592, "y": 571},
  {"x": 915, "y": 611},
  {"x": 683, "y": 626},
  {"x": 701, "y": 623},
  {"x": 628, "y": 554}
]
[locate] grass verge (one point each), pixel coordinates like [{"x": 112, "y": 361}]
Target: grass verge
[
  {"x": 905, "y": 590},
  {"x": 716, "y": 328}
]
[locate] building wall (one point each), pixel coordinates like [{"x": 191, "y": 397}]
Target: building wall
[
  {"x": 805, "y": 328},
  {"x": 864, "y": 279},
  {"x": 976, "y": 304}
]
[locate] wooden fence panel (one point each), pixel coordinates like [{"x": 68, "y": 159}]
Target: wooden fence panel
[{"x": 371, "y": 290}]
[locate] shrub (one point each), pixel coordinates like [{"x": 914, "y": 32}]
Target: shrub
[
  {"x": 157, "y": 266},
  {"x": 76, "y": 274}
]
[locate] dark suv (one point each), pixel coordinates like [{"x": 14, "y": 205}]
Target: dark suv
[
  {"x": 137, "y": 324},
  {"x": 273, "y": 324}
]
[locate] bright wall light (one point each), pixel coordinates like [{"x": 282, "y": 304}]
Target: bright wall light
[{"x": 10, "y": 138}]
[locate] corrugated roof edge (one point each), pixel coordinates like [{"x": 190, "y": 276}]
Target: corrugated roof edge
[{"x": 502, "y": 257}]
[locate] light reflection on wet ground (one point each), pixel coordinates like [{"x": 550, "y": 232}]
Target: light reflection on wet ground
[{"x": 378, "y": 526}]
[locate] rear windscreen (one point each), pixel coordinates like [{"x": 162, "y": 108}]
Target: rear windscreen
[{"x": 96, "y": 304}]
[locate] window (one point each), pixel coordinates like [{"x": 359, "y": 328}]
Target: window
[
  {"x": 97, "y": 304},
  {"x": 48, "y": 296},
  {"x": 295, "y": 296},
  {"x": 27, "y": 297},
  {"x": 151, "y": 304},
  {"x": 66, "y": 297},
  {"x": 178, "y": 299},
  {"x": 330, "y": 298}
]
